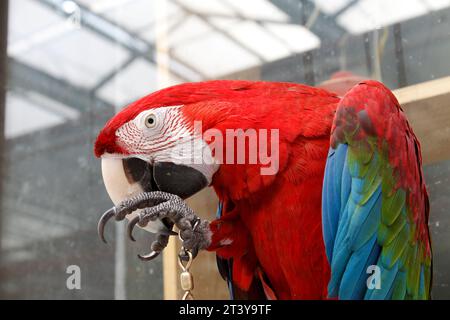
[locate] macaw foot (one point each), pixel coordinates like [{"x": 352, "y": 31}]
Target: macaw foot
[{"x": 194, "y": 232}]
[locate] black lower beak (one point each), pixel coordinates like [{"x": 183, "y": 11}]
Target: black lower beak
[
  {"x": 144, "y": 177},
  {"x": 177, "y": 179}
]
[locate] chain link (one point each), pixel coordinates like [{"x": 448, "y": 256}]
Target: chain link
[{"x": 185, "y": 259}]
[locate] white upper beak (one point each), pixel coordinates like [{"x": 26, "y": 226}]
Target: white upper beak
[{"x": 119, "y": 188}]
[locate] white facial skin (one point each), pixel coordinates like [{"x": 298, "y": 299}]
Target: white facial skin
[
  {"x": 168, "y": 138},
  {"x": 156, "y": 135}
]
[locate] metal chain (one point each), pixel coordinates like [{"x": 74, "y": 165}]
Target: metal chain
[{"x": 185, "y": 259}]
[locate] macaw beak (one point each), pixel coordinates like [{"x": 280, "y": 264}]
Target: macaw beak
[{"x": 125, "y": 178}]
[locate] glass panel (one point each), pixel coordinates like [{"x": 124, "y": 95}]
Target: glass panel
[{"x": 53, "y": 193}]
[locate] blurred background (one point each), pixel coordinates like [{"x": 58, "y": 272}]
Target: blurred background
[{"x": 68, "y": 66}]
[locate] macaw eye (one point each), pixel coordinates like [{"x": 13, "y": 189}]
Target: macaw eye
[{"x": 150, "y": 121}]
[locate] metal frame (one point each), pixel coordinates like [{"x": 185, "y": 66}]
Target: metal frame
[
  {"x": 303, "y": 12},
  {"x": 26, "y": 77},
  {"x": 116, "y": 33},
  {"x": 3, "y": 78},
  {"x": 298, "y": 11},
  {"x": 399, "y": 56}
]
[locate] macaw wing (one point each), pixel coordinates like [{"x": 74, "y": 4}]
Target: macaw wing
[
  {"x": 225, "y": 266},
  {"x": 375, "y": 205},
  {"x": 257, "y": 289}
]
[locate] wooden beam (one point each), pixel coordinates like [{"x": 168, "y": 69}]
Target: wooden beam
[
  {"x": 170, "y": 262},
  {"x": 427, "y": 106},
  {"x": 208, "y": 283}
]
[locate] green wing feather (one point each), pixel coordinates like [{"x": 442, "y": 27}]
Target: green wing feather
[{"x": 387, "y": 199}]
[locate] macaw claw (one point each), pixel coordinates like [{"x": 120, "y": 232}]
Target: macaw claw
[
  {"x": 102, "y": 222},
  {"x": 148, "y": 257},
  {"x": 170, "y": 209},
  {"x": 128, "y": 206},
  {"x": 157, "y": 247},
  {"x": 136, "y": 220}
]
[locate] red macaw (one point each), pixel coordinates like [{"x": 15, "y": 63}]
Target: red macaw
[{"x": 348, "y": 196}]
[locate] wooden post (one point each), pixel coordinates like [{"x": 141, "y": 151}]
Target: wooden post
[{"x": 170, "y": 262}]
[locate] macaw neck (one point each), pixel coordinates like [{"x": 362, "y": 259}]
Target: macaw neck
[
  {"x": 282, "y": 220},
  {"x": 299, "y": 161}
]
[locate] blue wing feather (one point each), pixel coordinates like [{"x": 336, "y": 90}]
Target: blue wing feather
[
  {"x": 336, "y": 187},
  {"x": 351, "y": 220},
  {"x": 225, "y": 265},
  {"x": 374, "y": 206},
  {"x": 353, "y": 283}
]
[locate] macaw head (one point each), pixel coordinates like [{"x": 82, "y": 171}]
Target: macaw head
[
  {"x": 158, "y": 142},
  {"x": 152, "y": 144},
  {"x": 153, "y": 141}
]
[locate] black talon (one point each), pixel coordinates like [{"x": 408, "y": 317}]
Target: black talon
[
  {"x": 169, "y": 225},
  {"x": 171, "y": 211},
  {"x": 102, "y": 222},
  {"x": 152, "y": 255},
  {"x": 168, "y": 232},
  {"x": 131, "y": 224}
]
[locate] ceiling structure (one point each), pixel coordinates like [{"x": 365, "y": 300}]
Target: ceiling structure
[{"x": 106, "y": 51}]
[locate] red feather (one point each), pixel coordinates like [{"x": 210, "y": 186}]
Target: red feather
[
  {"x": 276, "y": 219},
  {"x": 273, "y": 222}
]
